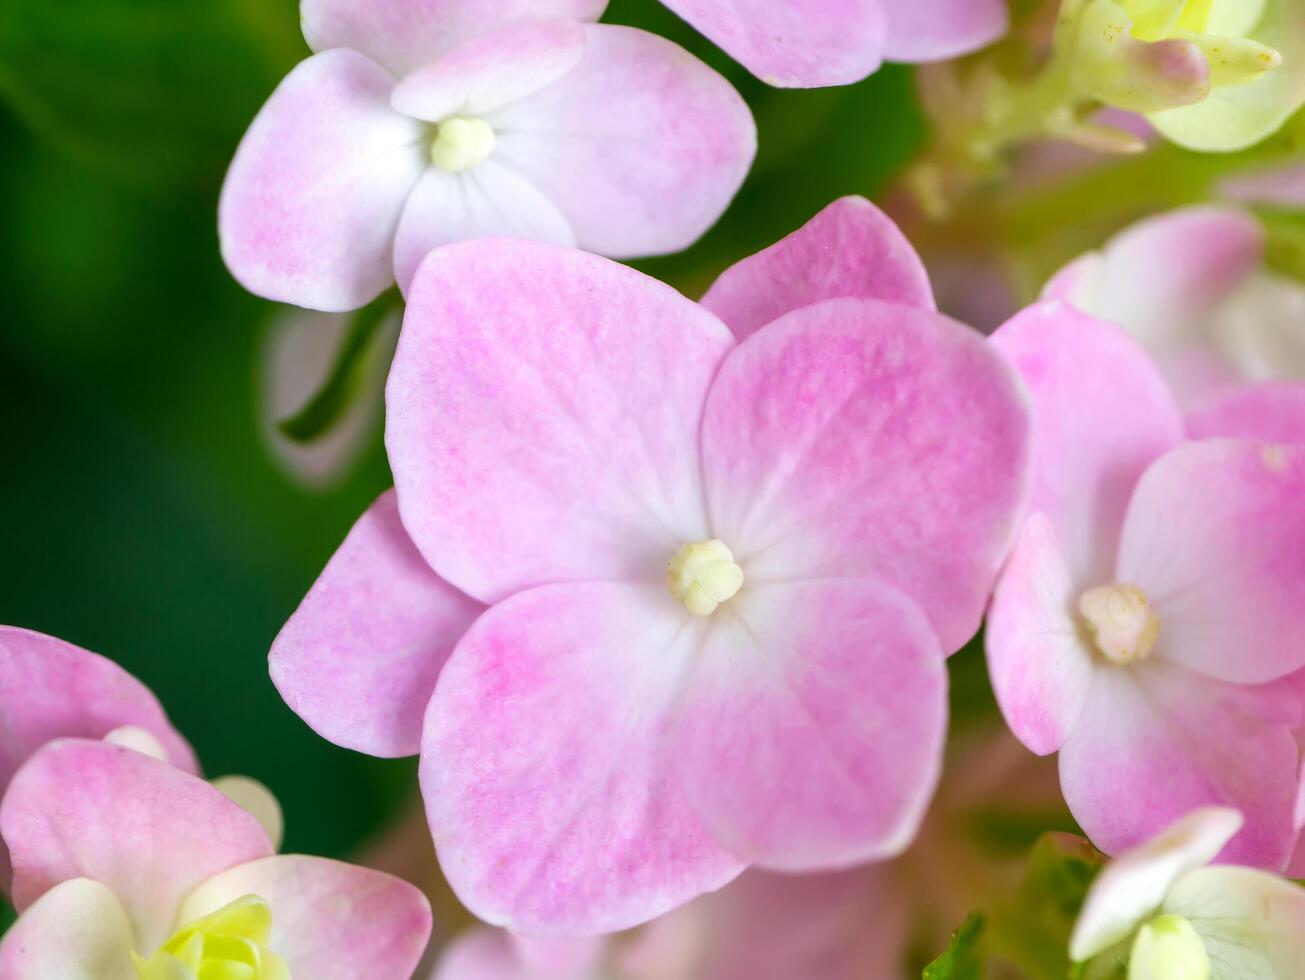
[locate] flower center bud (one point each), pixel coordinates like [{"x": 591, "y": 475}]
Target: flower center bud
[
  {"x": 702, "y": 575},
  {"x": 1121, "y": 622},
  {"x": 461, "y": 143},
  {"x": 231, "y": 942},
  {"x": 1169, "y": 948}
]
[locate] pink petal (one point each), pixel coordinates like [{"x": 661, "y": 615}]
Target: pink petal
[
  {"x": 1215, "y": 537},
  {"x": 491, "y": 70},
  {"x": 51, "y": 689},
  {"x": 544, "y": 408},
  {"x": 856, "y": 438},
  {"x": 1039, "y": 665},
  {"x": 934, "y": 30},
  {"x": 330, "y": 920},
  {"x": 1159, "y": 278},
  {"x": 485, "y": 201},
  {"x": 1101, "y": 414},
  {"x": 812, "y": 728},
  {"x": 405, "y": 34},
  {"x": 312, "y": 199},
  {"x": 551, "y": 780},
  {"x": 641, "y": 145},
  {"x": 148, "y": 831},
  {"x": 1273, "y": 412},
  {"x": 75, "y": 931},
  {"x": 832, "y": 42},
  {"x": 851, "y": 248},
  {"x": 1156, "y": 740},
  {"x": 359, "y": 658}
]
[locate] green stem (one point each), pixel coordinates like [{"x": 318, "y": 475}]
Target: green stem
[{"x": 328, "y": 405}]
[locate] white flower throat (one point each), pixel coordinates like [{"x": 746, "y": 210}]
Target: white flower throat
[{"x": 702, "y": 575}]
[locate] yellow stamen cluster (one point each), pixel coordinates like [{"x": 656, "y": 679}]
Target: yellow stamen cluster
[
  {"x": 702, "y": 575},
  {"x": 229, "y": 944}
]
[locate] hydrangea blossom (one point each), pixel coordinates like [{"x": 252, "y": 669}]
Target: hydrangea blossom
[
  {"x": 720, "y": 576},
  {"x": 127, "y": 868},
  {"x": 1150, "y": 610},
  {"x": 1228, "y": 334},
  {"x": 1210, "y": 74},
  {"x": 836, "y": 42},
  {"x": 1158, "y": 913},
  {"x": 419, "y": 123}
]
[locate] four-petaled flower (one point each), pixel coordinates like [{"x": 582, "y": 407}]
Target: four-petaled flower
[
  {"x": 1150, "y": 611},
  {"x": 419, "y": 123},
  {"x": 721, "y": 576}
]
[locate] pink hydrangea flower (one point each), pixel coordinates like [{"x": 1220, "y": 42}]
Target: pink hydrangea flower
[
  {"x": 419, "y": 123},
  {"x": 126, "y": 867},
  {"x": 836, "y": 42},
  {"x": 1192, "y": 287},
  {"x": 720, "y": 576},
  {"x": 1150, "y": 611},
  {"x": 51, "y": 689}
]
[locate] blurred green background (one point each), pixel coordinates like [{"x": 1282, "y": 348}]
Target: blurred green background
[{"x": 142, "y": 515}]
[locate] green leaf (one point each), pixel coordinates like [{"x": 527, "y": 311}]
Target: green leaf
[
  {"x": 963, "y": 958},
  {"x": 348, "y": 372},
  {"x": 1033, "y": 928},
  {"x": 7, "y": 916},
  {"x": 157, "y": 92},
  {"x": 1284, "y": 240}
]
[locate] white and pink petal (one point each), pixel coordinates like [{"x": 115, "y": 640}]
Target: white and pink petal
[
  {"x": 641, "y": 146},
  {"x": 310, "y": 205},
  {"x": 1040, "y": 667},
  {"x": 330, "y": 920},
  {"x": 1215, "y": 537},
  {"x": 850, "y": 248},
  {"x": 549, "y": 765},
  {"x": 78, "y": 930},
  {"x": 146, "y": 830},
  {"x": 836, "y": 42},
  {"x": 811, "y": 728},
  {"x": 403, "y": 35},
  {"x": 544, "y": 407},
  {"x": 855, "y": 438},
  {"x": 358, "y": 659},
  {"x": 1089, "y": 450}
]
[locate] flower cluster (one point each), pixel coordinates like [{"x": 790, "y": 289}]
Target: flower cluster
[{"x": 665, "y": 591}]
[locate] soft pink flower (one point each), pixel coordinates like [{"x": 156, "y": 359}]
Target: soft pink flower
[
  {"x": 1191, "y": 286},
  {"x": 836, "y": 42},
  {"x": 115, "y": 852},
  {"x": 420, "y": 123},
  {"x": 843, "y": 484},
  {"x": 1150, "y": 611},
  {"x": 51, "y": 689}
]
